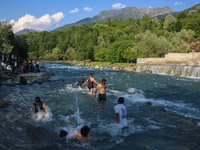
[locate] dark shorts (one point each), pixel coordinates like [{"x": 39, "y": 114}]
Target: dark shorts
[
  {"x": 102, "y": 97},
  {"x": 79, "y": 84},
  {"x": 90, "y": 87}
]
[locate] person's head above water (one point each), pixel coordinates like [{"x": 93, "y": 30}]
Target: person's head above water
[
  {"x": 37, "y": 100},
  {"x": 85, "y": 130},
  {"x": 83, "y": 80},
  {"x": 63, "y": 133},
  {"x": 121, "y": 100},
  {"x": 103, "y": 81},
  {"x": 91, "y": 75}
]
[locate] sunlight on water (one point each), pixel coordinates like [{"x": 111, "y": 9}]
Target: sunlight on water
[{"x": 157, "y": 105}]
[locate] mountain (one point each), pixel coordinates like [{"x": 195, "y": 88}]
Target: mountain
[
  {"x": 124, "y": 13},
  {"x": 24, "y": 31},
  {"x": 175, "y": 14}
]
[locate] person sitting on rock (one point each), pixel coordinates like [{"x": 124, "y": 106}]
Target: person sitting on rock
[{"x": 38, "y": 106}]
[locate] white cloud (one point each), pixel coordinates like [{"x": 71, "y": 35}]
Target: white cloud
[
  {"x": 118, "y": 5},
  {"x": 74, "y": 11},
  {"x": 150, "y": 7},
  {"x": 178, "y": 3},
  {"x": 88, "y": 9},
  {"x": 57, "y": 25},
  {"x": 39, "y": 24}
]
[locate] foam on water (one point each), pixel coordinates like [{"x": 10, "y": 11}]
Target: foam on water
[{"x": 42, "y": 116}]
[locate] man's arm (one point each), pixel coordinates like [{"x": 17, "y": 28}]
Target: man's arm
[
  {"x": 31, "y": 110},
  {"x": 117, "y": 118},
  {"x": 45, "y": 107},
  {"x": 96, "y": 91},
  {"x": 95, "y": 81}
]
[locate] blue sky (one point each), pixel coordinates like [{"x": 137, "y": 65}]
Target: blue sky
[{"x": 58, "y": 11}]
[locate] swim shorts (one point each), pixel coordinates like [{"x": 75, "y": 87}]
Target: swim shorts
[{"x": 101, "y": 97}]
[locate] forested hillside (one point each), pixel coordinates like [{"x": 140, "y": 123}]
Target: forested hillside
[{"x": 114, "y": 41}]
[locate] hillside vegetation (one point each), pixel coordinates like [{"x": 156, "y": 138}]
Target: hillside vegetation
[{"x": 114, "y": 40}]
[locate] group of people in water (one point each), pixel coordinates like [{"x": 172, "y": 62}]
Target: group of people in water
[
  {"x": 120, "y": 109},
  {"x": 11, "y": 63}
]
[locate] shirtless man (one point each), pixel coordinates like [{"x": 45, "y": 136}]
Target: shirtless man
[
  {"x": 102, "y": 91},
  {"x": 90, "y": 80},
  {"x": 80, "y": 136}
]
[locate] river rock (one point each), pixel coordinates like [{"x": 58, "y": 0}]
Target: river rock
[
  {"x": 4, "y": 76},
  {"x": 116, "y": 68},
  {"x": 96, "y": 67},
  {"x": 148, "y": 71},
  {"x": 148, "y": 104},
  {"x": 177, "y": 75},
  {"x": 41, "y": 66},
  {"x": 101, "y": 68},
  {"x": 3, "y": 104},
  {"x": 22, "y": 80}
]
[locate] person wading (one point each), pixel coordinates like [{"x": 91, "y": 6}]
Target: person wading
[
  {"x": 102, "y": 91},
  {"x": 91, "y": 80}
]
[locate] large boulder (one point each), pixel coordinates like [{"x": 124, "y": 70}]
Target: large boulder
[{"x": 96, "y": 67}]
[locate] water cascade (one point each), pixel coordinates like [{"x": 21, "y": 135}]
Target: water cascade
[{"x": 185, "y": 71}]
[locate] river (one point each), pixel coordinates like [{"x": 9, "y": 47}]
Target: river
[{"x": 172, "y": 122}]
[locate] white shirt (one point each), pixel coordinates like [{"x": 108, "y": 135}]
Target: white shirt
[{"x": 121, "y": 109}]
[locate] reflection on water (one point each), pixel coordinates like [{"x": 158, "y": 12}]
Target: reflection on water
[{"x": 171, "y": 122}]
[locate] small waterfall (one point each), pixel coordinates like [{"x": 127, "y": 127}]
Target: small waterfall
[{"x": 185, "y": 71}]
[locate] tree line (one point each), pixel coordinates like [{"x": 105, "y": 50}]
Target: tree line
[{"x": 113, "y": 41}]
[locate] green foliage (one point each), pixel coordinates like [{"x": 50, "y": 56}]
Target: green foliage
[
  {"x": 198, "y": 9},
  {"x": 182, "y": 15},
  {"x": 169, "y": 20},
  {"x": 113, "y": 40}
]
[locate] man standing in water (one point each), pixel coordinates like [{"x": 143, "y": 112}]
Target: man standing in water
[
  {"x": 38, "y": 106},
  {"x": 102, "y": 91},
  {"x": 90, "y": 80},
  {"x": 121, "y": 113}
]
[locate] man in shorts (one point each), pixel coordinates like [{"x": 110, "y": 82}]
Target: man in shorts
[{"x": 102, "y": 91}]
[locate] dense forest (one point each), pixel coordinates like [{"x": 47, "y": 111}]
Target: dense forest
[{"x": 114, "y": 40}]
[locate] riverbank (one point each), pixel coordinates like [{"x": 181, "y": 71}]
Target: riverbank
[{"x": 100, "y": 65}]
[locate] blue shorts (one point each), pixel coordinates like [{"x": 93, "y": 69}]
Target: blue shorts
[{"x": 79, "y": 84}]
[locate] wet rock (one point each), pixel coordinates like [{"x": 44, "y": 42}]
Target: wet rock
[
  {"x": 3, "y": 104},
  {"x": 96, "y": 67},
  {"x": 4, "y": 76},
  {"x": 22, "y": 80},
  {"x": 148, "y": 104},
  {"x": 177, "y": 75},
  {"x": 116, "y": 68},
  {"x": 101, "y": 68},
  {"x": 41, "y": 66},
  {"x": 149, "y": 71}
]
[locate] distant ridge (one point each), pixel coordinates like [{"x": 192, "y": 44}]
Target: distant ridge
[
  {"x": 24, "y": 31},
  {"x": 175, "y": 14},
  {"x": 124, "y": 13}
]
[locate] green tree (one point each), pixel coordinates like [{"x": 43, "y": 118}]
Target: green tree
[
  {"x": 182, "y": 15},
  {"x": 169, "y": 20}
]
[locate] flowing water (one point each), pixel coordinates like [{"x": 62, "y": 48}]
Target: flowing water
[{"x": 171, "y": 122}]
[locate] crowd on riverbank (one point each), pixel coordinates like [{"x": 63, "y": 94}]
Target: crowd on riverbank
[{"x": 15, "y": 64}]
